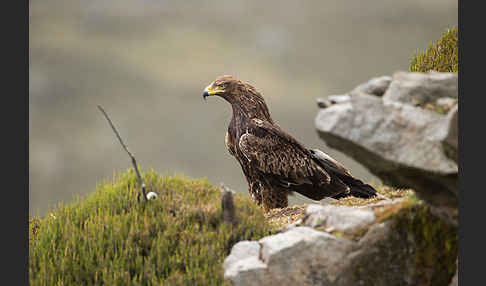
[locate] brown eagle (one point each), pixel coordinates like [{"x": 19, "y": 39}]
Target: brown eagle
[{"x": 274, "y": 163}]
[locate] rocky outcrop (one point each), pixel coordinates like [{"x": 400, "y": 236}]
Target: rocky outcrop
[
  {"x": 397, "y": 242},
  {"x": 455, "y": 279},
  {"x": 244, "y": 266},
  {"x": 337, "y": 218},
  {"x": 450, "y": 142},
  {"x": 396, "y": 127},
  {"x": 404, "y": 130}
]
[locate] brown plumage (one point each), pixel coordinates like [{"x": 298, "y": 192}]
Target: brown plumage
[{"x": 274, "y": 163}]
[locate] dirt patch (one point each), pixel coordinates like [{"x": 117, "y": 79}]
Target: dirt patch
[{"x": 285, "y": 216}]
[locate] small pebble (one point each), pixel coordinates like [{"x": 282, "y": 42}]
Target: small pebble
[{"x": 151, "y": 195}]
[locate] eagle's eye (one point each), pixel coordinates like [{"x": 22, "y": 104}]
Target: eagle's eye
[{"x": 221, "y": 85}]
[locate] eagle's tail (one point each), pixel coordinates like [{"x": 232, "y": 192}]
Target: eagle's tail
[{"x": 356, "y": 188}]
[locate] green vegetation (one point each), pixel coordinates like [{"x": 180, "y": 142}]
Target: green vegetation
[
  {"x": 419, "y": 242},
  {"x": 440, "y": 57},
  {"x": 437, "y": 243},
  {"x": 111, "y": 238}
]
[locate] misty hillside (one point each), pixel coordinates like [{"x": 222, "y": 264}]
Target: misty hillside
[{"x": 147, "y": 63}]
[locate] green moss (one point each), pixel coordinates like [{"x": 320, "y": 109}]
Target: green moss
[
  {"x": 440, "y": 57},
  {"x": 436, "y": 244},
  {"x": 111, "y": 238},
  {"x": 414, "y": 248}
]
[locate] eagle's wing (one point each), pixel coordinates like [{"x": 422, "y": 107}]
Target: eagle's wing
[
  {"x": 329, "y": 162},
  {"x": 272, "y": 151},
  {"x": 357, "y": 187},
  {"x": 286, "y": 162}
]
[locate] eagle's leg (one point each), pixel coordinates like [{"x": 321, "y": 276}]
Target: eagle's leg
[
  {"x": 274, "y": 198},
  {"x": 255, "y": 193}
]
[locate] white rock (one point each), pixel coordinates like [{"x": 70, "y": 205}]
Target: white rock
[
  {"x": 407, "y": 87},
  {"x": 396, "y": 140},
  {"x": 446, "y": 101},
  {"x": 376, "y": 86},
  {"x": 288, "y": 258},
  {"x": 243, "y": 265},
  {"x": 152, "y": 195},
  {"x": 339, "y": 218}
]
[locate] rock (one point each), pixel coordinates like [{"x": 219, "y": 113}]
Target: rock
[
  {"x": 303, "y": 256},
  {"x": 409, "y": 247},
  {"x": 151, "y": 195},
  {"x": 337, "y": 218},
  {"x": 323, "y": 102},
  {"x": 243, "y": 265},
  {"x": 376, "y": 86},
  {"x": 338, "y": 98},
  {"x": 446, "y": 102},
  {"x": 421, "y": 88},
  {"x": 455, "y": 279},
  {"x": 299, "y": 256},
  {"x": 401, "y": 143},
  {"x": 332, "y": 99},
  {"x": 450, "y": 141}
]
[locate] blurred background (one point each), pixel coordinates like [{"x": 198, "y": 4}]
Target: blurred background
[{"x": 148, "y": 61}]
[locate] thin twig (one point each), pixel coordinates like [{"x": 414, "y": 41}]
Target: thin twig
[{"x": 134, "y": 162}]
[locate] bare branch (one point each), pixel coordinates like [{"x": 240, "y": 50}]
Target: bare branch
[{"x": 134, "y": 161}]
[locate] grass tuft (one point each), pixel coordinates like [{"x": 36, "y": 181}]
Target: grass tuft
[
  {"x": 110, "y": 238},
  {"x": 439, "y": 57}
]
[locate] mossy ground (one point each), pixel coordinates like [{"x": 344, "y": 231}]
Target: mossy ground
[
  {"x": 111, "y": 238},
  {"x": 441, "y": 56}
]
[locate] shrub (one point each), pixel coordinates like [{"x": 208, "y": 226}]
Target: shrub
[
  {"x": 111, "y": 238},
  {"x": 440, "y": 57}
]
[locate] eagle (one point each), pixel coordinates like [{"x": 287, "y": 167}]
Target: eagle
[{"x": 275, "y": 163}]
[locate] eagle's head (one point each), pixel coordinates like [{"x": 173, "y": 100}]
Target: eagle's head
[
  {"x": 243, "y": 97},
  {"x": 225, "y": 86}
]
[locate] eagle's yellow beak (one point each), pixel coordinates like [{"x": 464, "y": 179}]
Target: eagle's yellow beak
[{"x": 208, "y": 91}]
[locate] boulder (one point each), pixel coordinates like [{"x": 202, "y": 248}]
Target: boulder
[
  {"x": 450, "y": 142},
  {"x": 455, "y": 279},
  {"x": 384, "y": 125},
  {"x": 421, "y": 88},
  {"x": 405, "y": 244},
  {"x": 337, "y": 218},
  {"x": 243, "y": 266},
  {"x": 376, "y": 86},
  {"x": 299, "y": 256}
]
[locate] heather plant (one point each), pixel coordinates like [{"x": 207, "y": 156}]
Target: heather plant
[
  {"x": 440, "y": 56},
  {"x": 112, "y": 237}
]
